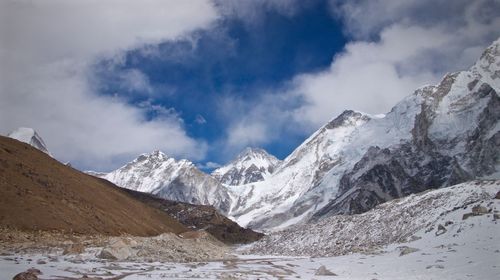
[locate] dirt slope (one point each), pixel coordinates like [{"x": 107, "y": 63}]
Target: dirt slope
[{"x": 39, "y": 193}]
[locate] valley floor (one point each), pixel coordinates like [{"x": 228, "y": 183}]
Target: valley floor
[
  {"x": 479, "y": 258},
  {"x": 453, "y": 233}
]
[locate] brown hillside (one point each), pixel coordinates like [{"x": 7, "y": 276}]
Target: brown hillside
[{"x": 39, "y": 193}]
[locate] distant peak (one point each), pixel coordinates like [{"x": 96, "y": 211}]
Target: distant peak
[
  {"x": 253, "y": 150},
  {"x": 29, "y": 136},
  {"x": 156, "y": 154}
]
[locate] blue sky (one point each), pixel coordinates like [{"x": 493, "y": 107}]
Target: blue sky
[
  {"x": 234, "y": 58},
  {"x": 104, "y": 81}
]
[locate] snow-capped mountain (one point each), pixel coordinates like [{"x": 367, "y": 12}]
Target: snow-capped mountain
[
  {"x": 29, "y": 136},
  {"x": 165, "y": 177},
  {"x": 251, "y": 165},
  {"x": 438, "y": 136}
]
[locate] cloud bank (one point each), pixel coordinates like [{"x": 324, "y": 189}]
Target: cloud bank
[{"x": 46, "y": 50}]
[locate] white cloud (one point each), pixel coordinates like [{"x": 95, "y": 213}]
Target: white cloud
[
  {"x": 46, "y": 48},
  {"x": 135, "y": 80},
  {"x": 369, "y": 77},
  {"x": 208, "y": 165},
  {"x": 200, "y": 119},
  {"x": 251, "y": 11}
]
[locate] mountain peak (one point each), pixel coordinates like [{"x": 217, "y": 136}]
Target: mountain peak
[
  {"x": 347, "y": 118},
  {"x": 252, "y": 152},
  {"x": 29, "y": 136},
  {"x": 251, "y": 165}
]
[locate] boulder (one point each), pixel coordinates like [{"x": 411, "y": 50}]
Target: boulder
[
  {"x": 323, "y": 271},
  {"x": 30, "y": 274},
  {"x": 467, "y": 215},
  {"x": 479, "y": 210},
  {"x": 405, "y": 250},
  {"x": 74, "y": 249},
  {"x": 441, "y": 229},
  {"x": 117, "y": 250}
]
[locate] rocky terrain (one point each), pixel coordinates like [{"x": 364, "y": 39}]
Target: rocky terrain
[
  {"x": 448, "y": 214},
  {"x": 201, "y": 217},
  {"x": 185, "y": 247}
]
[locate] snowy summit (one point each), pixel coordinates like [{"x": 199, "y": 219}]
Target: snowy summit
[
  {"x": 29, "y": 136},
  {"x": 251, "y": 165}
]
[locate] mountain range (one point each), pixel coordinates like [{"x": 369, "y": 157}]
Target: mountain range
[{"x": 440, "y": 135}]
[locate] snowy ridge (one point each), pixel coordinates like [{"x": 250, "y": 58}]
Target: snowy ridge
[
  {"x": 298, "y": 172},
  {"x": 29, "y": 136},
  {"x": 251, "y": 165},
  {"x": 158, "y": 174},
  {"x": 442, "y": 216}
]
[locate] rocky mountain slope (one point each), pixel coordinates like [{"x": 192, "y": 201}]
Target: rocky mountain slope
[
  {"x": 438, "y": 136},
  {"x": 251, "y": 165},
  {"x": 29, "y": 136},
  {"x": 444, "y": 216},
  {"x": 39, "y": 193},
  {"x": 201, "y": 217},
  {"x": 165, "y": 177}
]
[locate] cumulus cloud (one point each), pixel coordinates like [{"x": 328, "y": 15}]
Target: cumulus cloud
[
  {"x": 46, "y": 50},
  {"x": 395, "y": 47},
  {"x": 200, "y": 119},
  {"x": 135, "y": 80}
]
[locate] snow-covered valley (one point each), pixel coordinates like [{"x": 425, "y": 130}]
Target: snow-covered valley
[{"x": 451, "y": 233}]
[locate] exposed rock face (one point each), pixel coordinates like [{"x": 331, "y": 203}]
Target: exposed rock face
[
  {"x": 158, "y": 174},
  {"x": 251, "y": 165}
]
